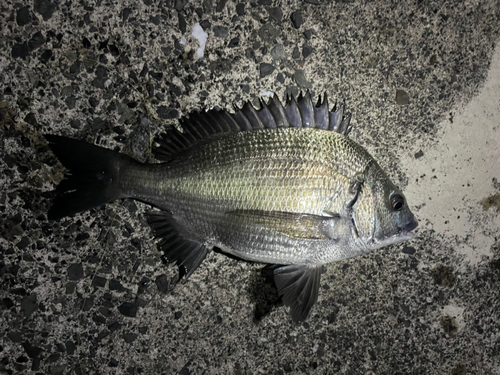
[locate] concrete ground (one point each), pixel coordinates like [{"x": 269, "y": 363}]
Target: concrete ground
[{"x": 89, "y": 294}]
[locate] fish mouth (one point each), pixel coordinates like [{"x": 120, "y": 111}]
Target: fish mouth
[
  {"x": 410, "y": 226},
  {"x": 406, "y": 233}
]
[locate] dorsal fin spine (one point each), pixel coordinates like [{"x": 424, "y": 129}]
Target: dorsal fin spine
[{"x": 300, "y": 113}]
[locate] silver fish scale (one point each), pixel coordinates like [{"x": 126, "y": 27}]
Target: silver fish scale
[{"x": 304, "y": 171}]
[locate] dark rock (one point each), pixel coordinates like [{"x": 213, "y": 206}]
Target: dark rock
[
  {"x": 98, "y": 124},
  {"x": 70, "y": 347},
  {"x": 182, "y": 22},
  {"x": 106, "y": 312},
  {"x": 266, "y": 69},
  {"x": 29, "y": 305},
  {"x": 185, "y": 370},
  {"x": 234, "y": 42},
  {"x": 15, "y": 336},
  {"x": 128, "y": 309},
  {"x": 75, "y": 124},
  {"x": 129, "y": 337},
  {"x": 75, "y": 68},
  {"x": 300, "y": 79},
  {"x": 86, "y": 43},
  {"x": 306, "y": 51},
  {"x": 278, "y": 52},
  {"x": 419, "y": 154},
  {"x": 31, "y": 350},
  {"x": 402, "y": 97},
  {"x": 221, "y": 31},
  {"x": 94, "y": 102},
  {"x": 115, "y": 326},
  {"x": 31, "y": 119},
  {"x": 180, "y": 4},
  {"x": 71, "y": 103},
  {"x": 46, "y": 55},
  {"x": 205, "y": 24},
  {"x": 207, "y": 6},
  {"x": 240, "y": 9},
  {"x": 36, "y": 41},
  {"x": 155, "y": 20},
  {"x": 265, "y": 2},
  {"x": 162, "y": 283},
  {"x": 101, "y": 72},
  {"x": 281, "y": 78},
  {"x": 70, "y": 287},
  {"x": 126, "y": 13},
  {"x": 23, "y": 16},
  {"x": 58, "y": 370},
  {"x": 177, "y": 314},
  {"x": 25, "y": 241},
  {"x": 268, "y": 33},
  {"x": 75, "y": 271},
  {"x": 116, "y": 285},
  {"x": 7, "y": 303},
  {"x": 315, "y": 2},
  {"x": 45, "y": 8},
  {"x": 297, "y": 19},
  {"x": 166, "y": 113},
  {"x": 88, "y": 303},
  {"x": 296, "y": 53},
  {"x": 307, "y": 34},
  {"x": 20, "y": 50},
  {"x": 98, "y": 282},
  {"x": 275, "y": 13},
  {"x": 18, "y": 291},
  {"x": 408, "y": 250},
  {"x": 67, "y": 90},
  {"x": 220, "y": 5},
  {"x": 156, "y": 75}
]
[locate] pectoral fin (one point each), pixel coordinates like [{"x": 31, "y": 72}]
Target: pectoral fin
[
  {"x": 297, "y": 225},
  {"x": 299, "y": 286}
]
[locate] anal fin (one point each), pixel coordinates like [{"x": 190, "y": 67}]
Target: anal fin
[
  {"x": 299, "y": 286},
  {"x": 188, "y": 254}
]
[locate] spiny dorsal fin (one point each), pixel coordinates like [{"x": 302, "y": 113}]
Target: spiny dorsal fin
[{"x": 300, "y": 113}]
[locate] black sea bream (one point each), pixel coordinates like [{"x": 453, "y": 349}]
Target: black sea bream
[{"x": 282, "y": 185}]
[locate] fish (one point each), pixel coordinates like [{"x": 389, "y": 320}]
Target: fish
[{"x": 280, "y": 184}]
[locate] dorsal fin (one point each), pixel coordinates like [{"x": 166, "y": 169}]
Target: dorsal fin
[{"x": 300, "y": 113}]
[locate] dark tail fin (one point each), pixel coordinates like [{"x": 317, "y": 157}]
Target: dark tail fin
[{"x": 91, "y": 178}]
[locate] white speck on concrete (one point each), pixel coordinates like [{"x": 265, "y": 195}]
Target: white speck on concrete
[{"x": 202, "y": 37}]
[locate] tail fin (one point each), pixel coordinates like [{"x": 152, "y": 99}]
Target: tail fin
[{"x": 91, "y": 178}]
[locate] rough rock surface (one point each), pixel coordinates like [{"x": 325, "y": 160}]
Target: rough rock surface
[{"x": 89, "y": 294}]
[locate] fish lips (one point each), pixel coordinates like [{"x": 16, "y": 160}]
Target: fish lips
[{"x": 406, "y": 233}]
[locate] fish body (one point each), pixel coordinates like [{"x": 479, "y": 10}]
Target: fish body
[{"x": 282, "y": 185}]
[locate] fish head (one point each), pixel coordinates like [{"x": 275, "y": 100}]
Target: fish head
[{"x": 383, "y": 212}]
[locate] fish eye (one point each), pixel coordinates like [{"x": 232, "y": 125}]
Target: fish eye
[{"x": 397, "y": 202}]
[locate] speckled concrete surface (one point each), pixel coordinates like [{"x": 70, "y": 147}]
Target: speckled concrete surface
[{"x": 89, "y": 294}]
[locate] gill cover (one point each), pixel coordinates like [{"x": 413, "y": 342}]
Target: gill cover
[{"x": 391, "y": 219}]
